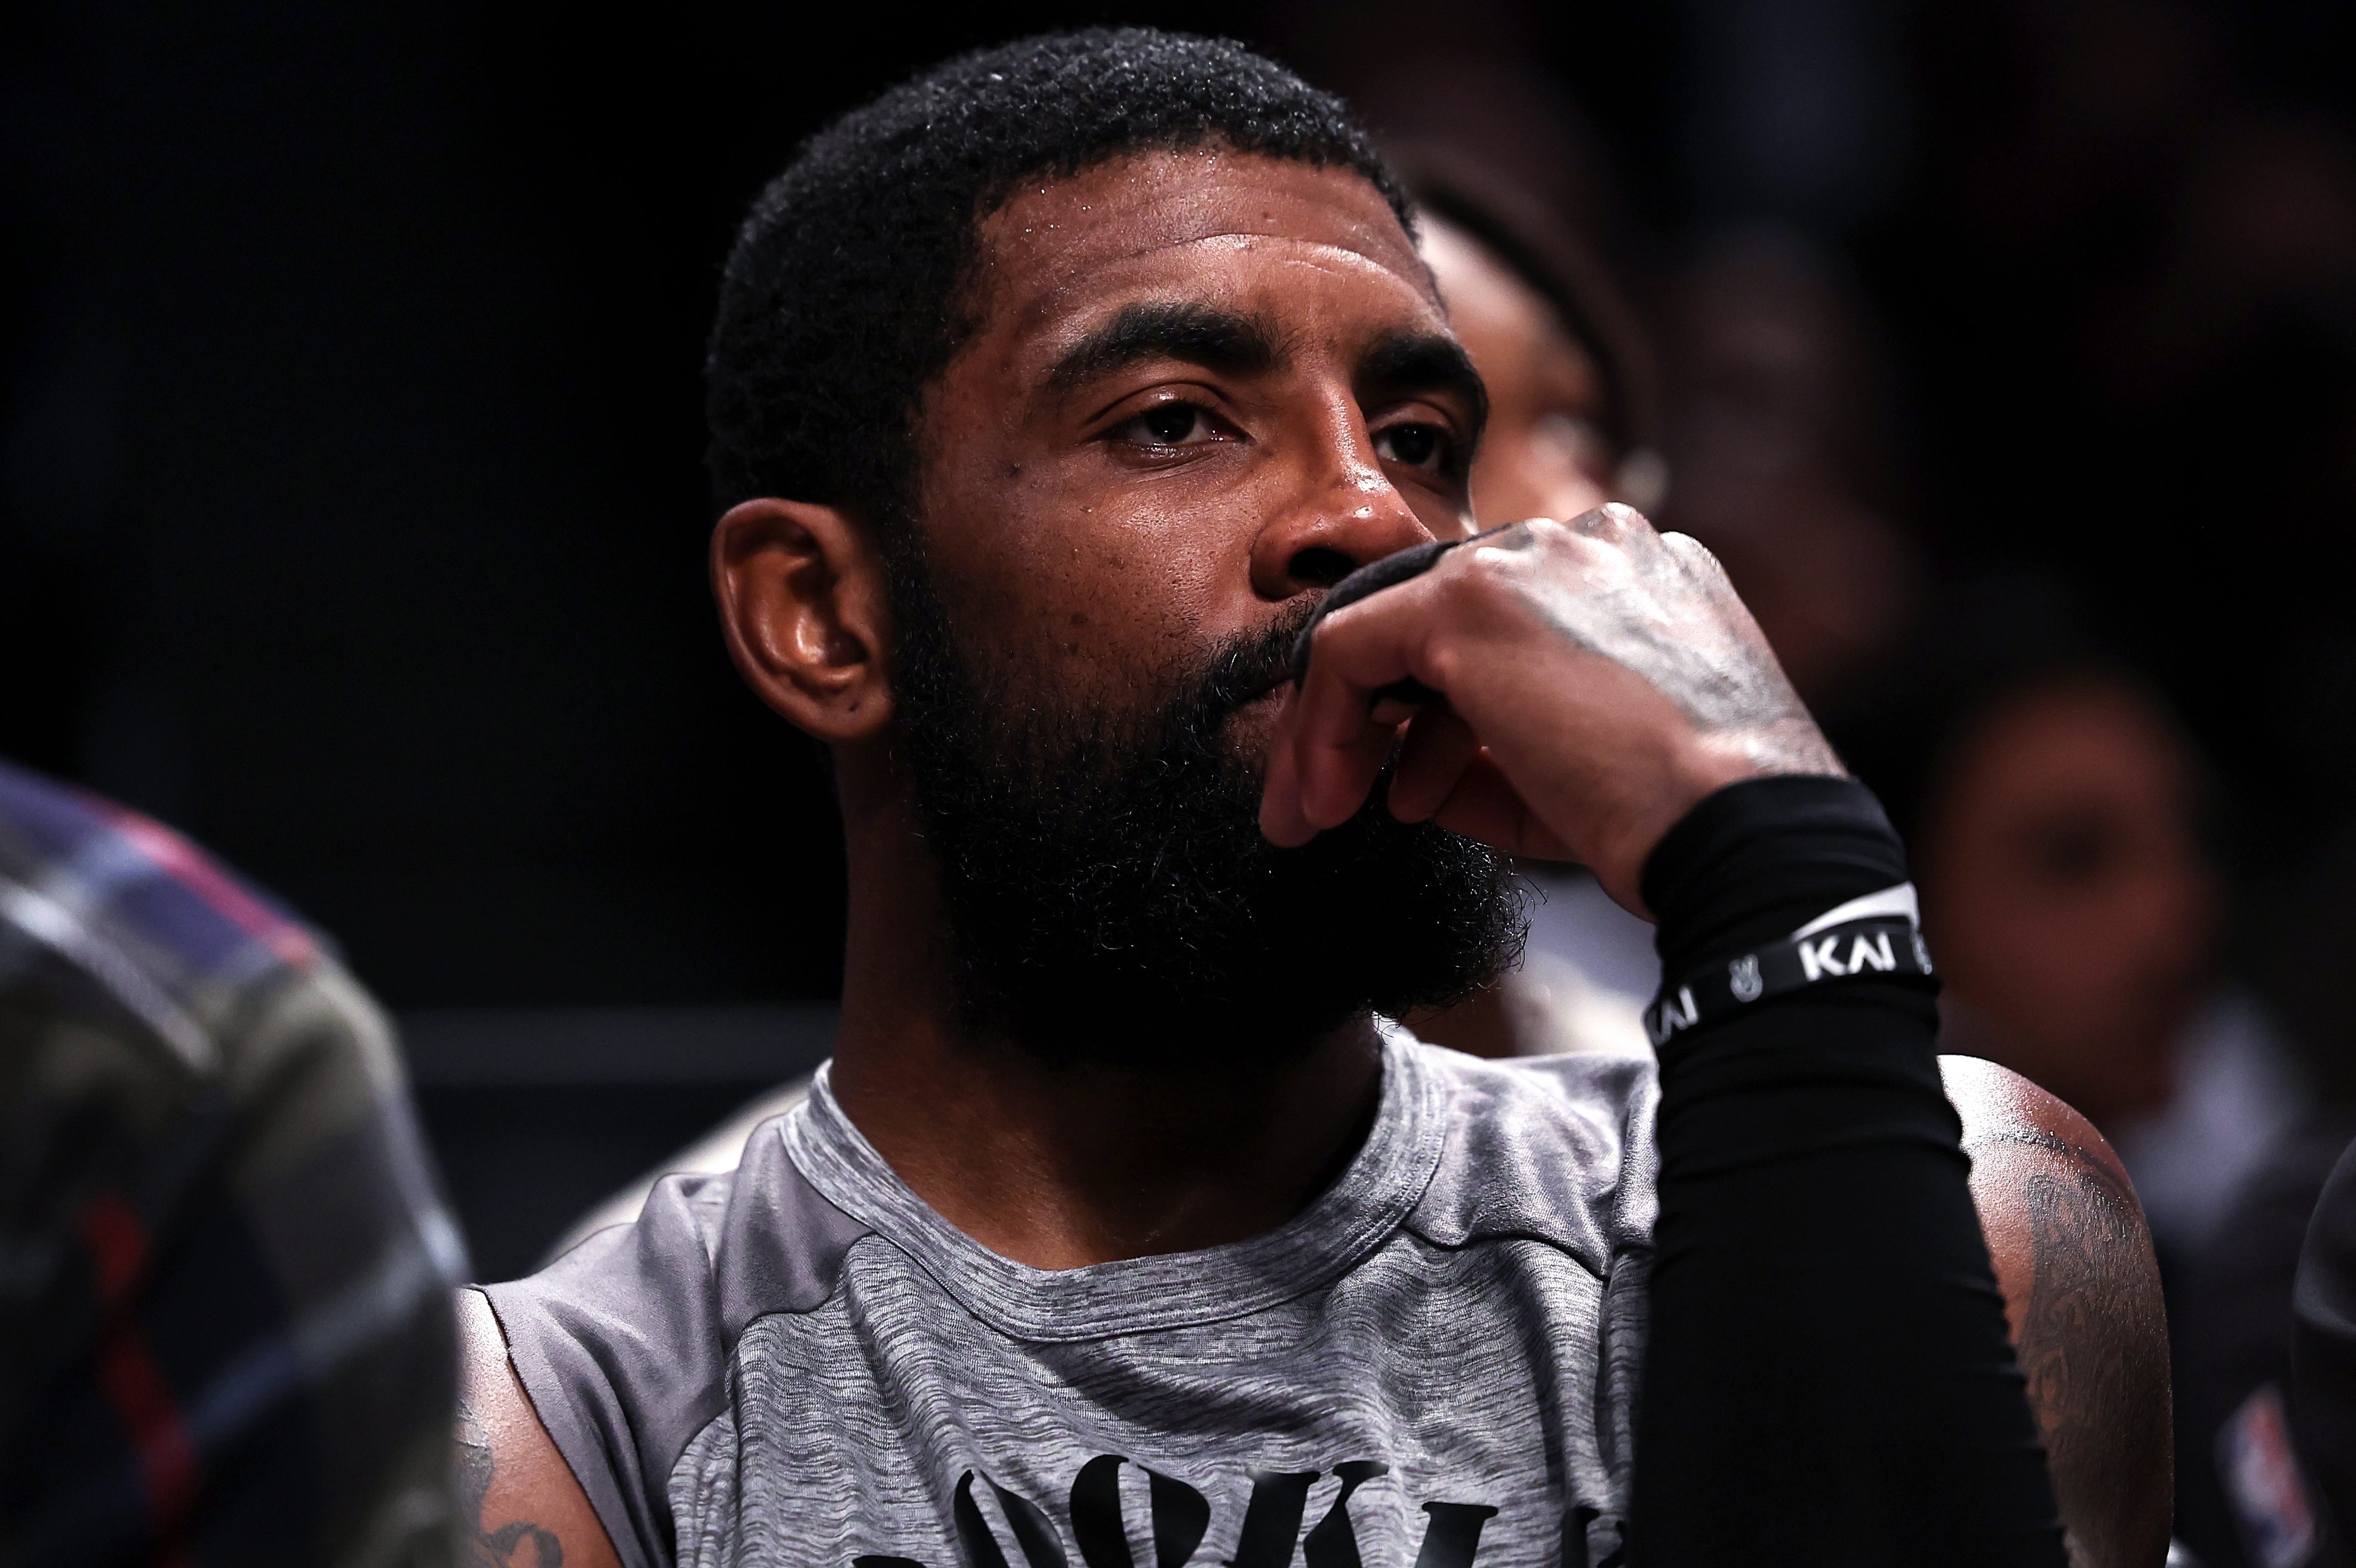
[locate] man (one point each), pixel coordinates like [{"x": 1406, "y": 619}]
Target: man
[
  {"x": 1568, "y": 391},
  {"x": 225, "y": 1332},
  {"x": 1051, "y": 394}
]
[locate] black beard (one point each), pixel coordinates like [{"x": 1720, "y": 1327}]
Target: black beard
[{"x": 1110, "y": 897}]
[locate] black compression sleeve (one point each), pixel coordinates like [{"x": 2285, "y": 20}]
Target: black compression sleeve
[{"x": 1829, "y": 1380}]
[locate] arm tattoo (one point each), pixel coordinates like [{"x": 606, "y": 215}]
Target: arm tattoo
[
  {"x": 2094, "y": 1348},
  {"x": 493, "y": 1548}
]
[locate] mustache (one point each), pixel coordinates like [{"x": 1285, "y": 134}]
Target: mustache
[{"x": 1247, "y": 667}]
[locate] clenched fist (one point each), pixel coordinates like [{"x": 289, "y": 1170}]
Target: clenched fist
[{"x": 1600, "y": 679}]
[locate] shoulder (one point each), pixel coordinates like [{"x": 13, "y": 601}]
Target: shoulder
[
  {"x": 2053, "y": 1200},
  {"x": 512, "y": 1484},
  {"x": 622, "y": 1345},
  {"x": 191, "y": 975},
  {"x": 2000, "y": 1109},
  {"x": 167, "y": 931},
  {"x": 2082, "y": 1297},
  {"x": 716, "y": 1153},
  {"x": 2048, "y": 1189},
  {"x": 1555, "y": 1148}
]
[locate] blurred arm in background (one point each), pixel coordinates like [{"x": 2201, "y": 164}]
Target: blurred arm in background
[{"x": 226, "y": 1334}]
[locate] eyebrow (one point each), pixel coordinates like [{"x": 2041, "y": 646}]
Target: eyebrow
[
  {"x": 1216, "y": 340},
  {"x": 1427, "y": 362}
]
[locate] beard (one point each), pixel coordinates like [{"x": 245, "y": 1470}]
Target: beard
[{"x": 1110, "y": 896}]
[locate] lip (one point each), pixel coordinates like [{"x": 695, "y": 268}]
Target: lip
[
  {"x": 1265, "y": 698},
  {"x": 1255, "y": 714}
]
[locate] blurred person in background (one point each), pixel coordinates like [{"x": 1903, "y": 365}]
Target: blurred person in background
[
  {"x": 226, "y": 1334},
  {"x": 2152, "y": 204},
  {"x": 2312, "y": 953},
  {"x": 2063, "y": 868},
  {"x": 1779, "y": 436},
  {"x": 2059, "y": 814}
]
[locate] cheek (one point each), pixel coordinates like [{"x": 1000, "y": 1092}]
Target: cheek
[
  {"x": 1518, "y": 476},
  {"x": 1249, "y": 732},
  {"x": 1094, "y": 577},
  {"x": 1063, "y": 595},
  {"x": 1502, "y": 492}
]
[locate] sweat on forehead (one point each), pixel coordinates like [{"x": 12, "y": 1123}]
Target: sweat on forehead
[{"x": 840, "y": 301}]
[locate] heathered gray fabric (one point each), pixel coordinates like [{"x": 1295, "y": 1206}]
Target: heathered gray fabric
[{"x": 801, "y": 1364}]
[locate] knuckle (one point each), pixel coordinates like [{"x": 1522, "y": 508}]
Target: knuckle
[
  {"x": 1697, "y": 553},
  {"x": 1474, "y": 579},
  {"x": 1613, "y": 522}
]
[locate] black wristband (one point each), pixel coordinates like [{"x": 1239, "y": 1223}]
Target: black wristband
[
  {"x": 1757, "y": 860},
  {"x": 1748, "y": 887},
  {"x": 1844, "y": 943}
]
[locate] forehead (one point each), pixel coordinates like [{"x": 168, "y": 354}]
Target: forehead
[
  {"x": 1478, "y": 286},
  {"x": 1060, "y": 254}
]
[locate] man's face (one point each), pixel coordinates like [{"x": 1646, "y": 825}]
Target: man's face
[{"x": 1202, "y": 388}]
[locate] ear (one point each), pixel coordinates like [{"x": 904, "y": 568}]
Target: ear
[{"x": 801, "y": 600}]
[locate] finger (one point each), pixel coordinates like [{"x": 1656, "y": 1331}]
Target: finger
[
  {"x": 1697, "y": 555},
  {"x": 1438, "y": 747},
  {"x": 1339, "y": 742},
  {"x": 1710, "y": 573},
  {"x": 1703, "y": 564},
  {"x": 1286, "y": 816},
  {"x": 1356, "y": 651},
  {"x": 1485, "y": 806},
  {"x": 1333, "y": 780},
  {"x": 1611, "y": 522}
]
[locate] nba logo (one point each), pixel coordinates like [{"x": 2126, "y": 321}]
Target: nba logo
[{"x": 2261, "y": 1476}]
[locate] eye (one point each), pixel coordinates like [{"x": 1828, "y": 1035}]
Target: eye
[
  {"x": 1416, "y": 446},
  {"x": 1168, "y": 424}
]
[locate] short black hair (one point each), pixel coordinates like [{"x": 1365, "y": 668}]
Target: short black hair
[{"x": 846, "y": 294}]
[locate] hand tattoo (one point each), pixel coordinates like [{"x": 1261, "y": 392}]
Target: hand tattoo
[{"x": 1664, "y": 609}]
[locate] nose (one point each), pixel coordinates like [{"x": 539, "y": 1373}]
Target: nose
[{"x": 1346, "y": 513}]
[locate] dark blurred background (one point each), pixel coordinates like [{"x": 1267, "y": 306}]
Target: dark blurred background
[{"x": 351, "y": 505}]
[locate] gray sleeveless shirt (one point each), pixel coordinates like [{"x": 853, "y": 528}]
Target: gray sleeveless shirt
[{"x": 801, "y": 1364}]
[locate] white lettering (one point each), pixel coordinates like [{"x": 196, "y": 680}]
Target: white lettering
[
  {"x": 1817, "y": 961},
  {"x": 1670, "y": 1015},
  {"x": 1876, "y": 953}
]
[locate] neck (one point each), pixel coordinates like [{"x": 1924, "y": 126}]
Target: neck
[{"x": 1060, "y": 1165}]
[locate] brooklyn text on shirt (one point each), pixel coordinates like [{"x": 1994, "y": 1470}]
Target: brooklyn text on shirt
[{"x": 1181, "y": 1517}]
